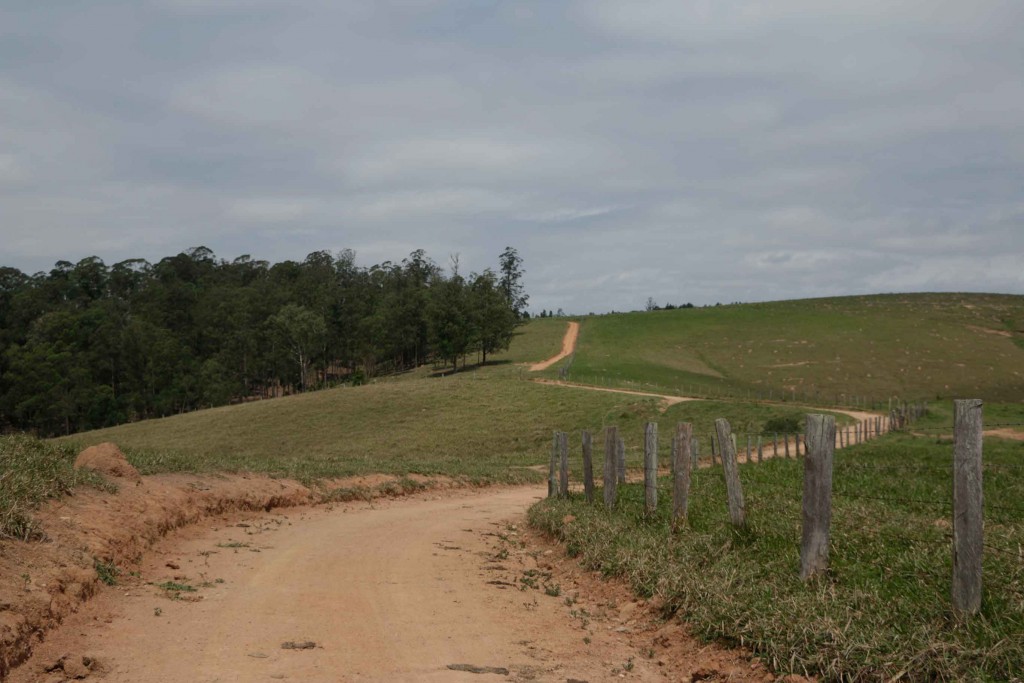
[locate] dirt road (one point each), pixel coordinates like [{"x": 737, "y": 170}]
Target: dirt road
[
  {"x": 568, "y": 346},
  {"x": 394, "y": 591}
]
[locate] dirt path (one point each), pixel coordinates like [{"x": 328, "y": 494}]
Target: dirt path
[
  {"x": 668, "y": 400},
  {"x": 568, "y": 346},
  {"x": 394, "y": 591}
]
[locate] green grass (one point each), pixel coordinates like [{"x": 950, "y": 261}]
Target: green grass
[
  {"x": 909, "y": 345},
  {"x": 537, "y": 340},
  {"x": 32, "y": 471},
  {"x": 466, "y": 426},
  {"x": 996, "y": 415},
  {"x": 884, "y": 608}
]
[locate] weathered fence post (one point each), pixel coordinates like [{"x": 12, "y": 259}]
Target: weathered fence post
[
  {"x": 621, "y": 460},
  {"x": 553, "y": 467},
  {"x": 775, "y": 445},
  {"x": 737, "y": 510},
  {"x": 785, "y": 438},
  {"x": 760, "y": 450},
  {"x": 588, "y": 467},
  {"x": 967, "y": 505},
  {"x": 681, "y": 459},
  {"x": 563, "y": 465},
  {"x": 611, "y": 461},
  {"x": 817, "y": 500},
  {"x": 651, "y": 467}
]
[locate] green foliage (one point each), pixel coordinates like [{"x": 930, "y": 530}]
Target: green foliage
[
  {"x": 106, "y": 571},
  {"x": 86, "y": 346},
  {"x": 32, "y": 471},
  {"x": 882, "y": 612},
  {"x": 791, "y": 424}
]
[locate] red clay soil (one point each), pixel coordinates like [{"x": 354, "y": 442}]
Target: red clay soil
[{"x": 438, "y": 586}]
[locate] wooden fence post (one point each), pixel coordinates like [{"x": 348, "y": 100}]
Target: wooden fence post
[
  {"x": 563, "y": 466},
  {"x": 588, "y": 466},
  {"x": 553, "y": 467},
  {"x": 967, "y": 505},
  {"x": 760, "y": 450},
  {"x": 817, "y": 499},
  {"x": 681, "y": 459},
  {"x": 611, "y": 461},
  {"x": 785, "y": 438},
  {"x": 621, "y": 460},
  {"x": 737, "y": 510},
  {"x": 651, "y": 468}
]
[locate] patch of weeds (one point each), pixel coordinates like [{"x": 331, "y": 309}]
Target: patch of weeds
[
  {"x": 552, "y": 589},
  {"x": 173, "y": 589},
  {"x": 157, "y": 611},
  {"x": 628, "y": 666},
  {"x": 233, "y": 544},
  {"x": 106, "y": 571}
]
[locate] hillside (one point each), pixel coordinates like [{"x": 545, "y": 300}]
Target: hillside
[
  {"x": 925, "y": 346},
  {"x": 488, "y": 424}
]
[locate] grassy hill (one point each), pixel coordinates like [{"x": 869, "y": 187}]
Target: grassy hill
[
  {"x": 907, "y": 345},
  {"x": 484, "y": 424}
]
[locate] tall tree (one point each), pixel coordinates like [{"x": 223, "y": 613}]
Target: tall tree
[{"x": 511, "y": 269}]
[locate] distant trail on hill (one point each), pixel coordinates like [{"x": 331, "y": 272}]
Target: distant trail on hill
[
  {"x": 568, "y": 347},
  {"x": 668, "y": 400}
]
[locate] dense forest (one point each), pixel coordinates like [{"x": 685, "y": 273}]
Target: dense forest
[{"x": 88, "y": 345}]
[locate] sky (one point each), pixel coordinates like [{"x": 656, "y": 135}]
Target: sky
[{"x": 701, "y": 151}]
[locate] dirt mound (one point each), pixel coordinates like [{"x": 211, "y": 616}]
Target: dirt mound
[{"x": 107, "y": 458}]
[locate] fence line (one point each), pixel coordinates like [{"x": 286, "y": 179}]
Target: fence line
[{"x": 965, "y": 507}]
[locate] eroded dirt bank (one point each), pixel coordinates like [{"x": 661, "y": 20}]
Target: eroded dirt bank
[{"x": 389, "y": 590}]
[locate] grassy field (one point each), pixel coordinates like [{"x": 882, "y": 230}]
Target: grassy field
[
  {"x": 484, "y": 424},
  {"x": 883, "y": 612},
  {"x": 461, "y": 426},
  {"x": 909, "y": 345}
]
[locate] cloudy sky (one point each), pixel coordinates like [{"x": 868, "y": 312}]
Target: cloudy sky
[{"x": 700, "y": 151}]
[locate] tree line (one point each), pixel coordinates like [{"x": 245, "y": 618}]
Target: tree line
[{"x": 88, "y": 345}]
